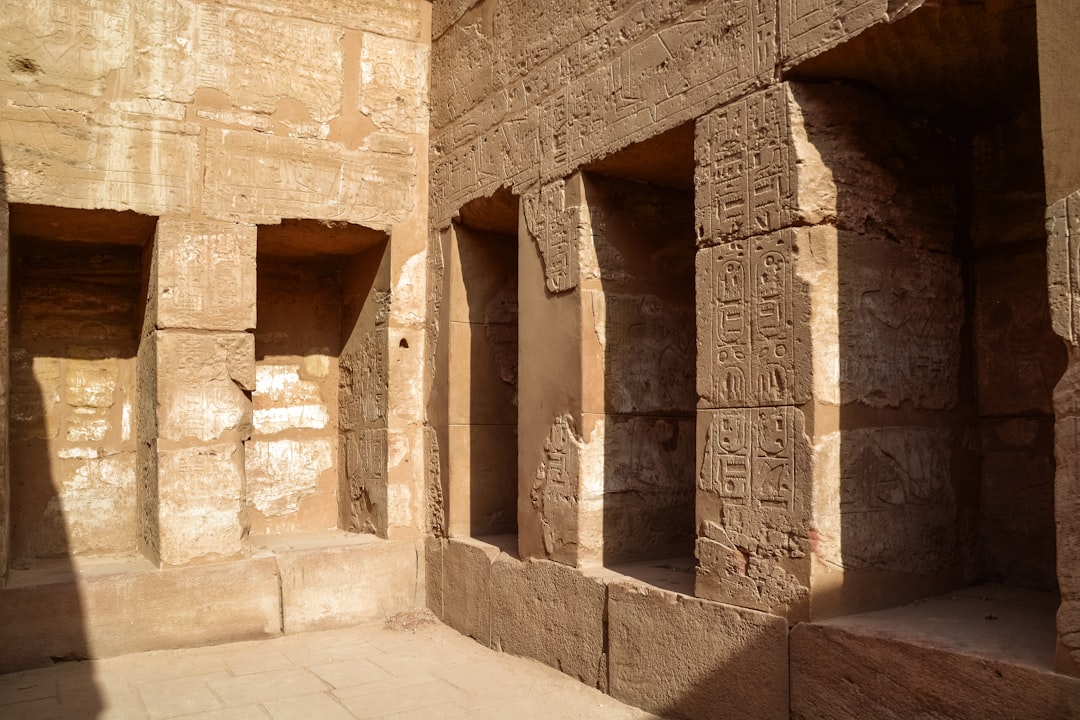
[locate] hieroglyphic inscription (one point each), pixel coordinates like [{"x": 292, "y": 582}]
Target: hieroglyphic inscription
[
  {"x": 255, "y": 176},
  {"x": 772, "y": 336},
  {"x": 749, "y": 458},
  {"x": 900, "y": 312},
  {"x": 725, "y": 467},
  {"x": 724, "y": 279},
  {"x": 70, "y": 44},
  {"x": 744, "y": 182},
  {"x": 556, "y": 228},
  {"x": 555, "y": 486},
  {"x": 206, "y": 275},
  {"x": 746, "y": 303},
  {"x": 814, "y": 25}
]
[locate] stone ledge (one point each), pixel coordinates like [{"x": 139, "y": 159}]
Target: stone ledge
[
  {"x": 108, "y": 606},
  {"x": 982, "y": 653}
]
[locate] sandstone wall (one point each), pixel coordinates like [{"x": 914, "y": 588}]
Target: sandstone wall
[{"x": 215, "y": 119}]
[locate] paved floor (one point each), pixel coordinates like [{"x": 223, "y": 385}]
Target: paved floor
[{"x": 415, "y": 668}]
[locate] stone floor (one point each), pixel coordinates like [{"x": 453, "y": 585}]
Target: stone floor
[{"x": 412, "y": 668}]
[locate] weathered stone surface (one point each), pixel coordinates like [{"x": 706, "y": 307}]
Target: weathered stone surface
[
  {"x": 200, "y": 500},
  {"x": 754, "y": 508},
  {"x": 328, "y": 581},
  {"x": 468, "y": 606},
  {"x": 205, "y": 275},
  {"x": 59, "y": 159},
  {"x": 253, "y": 177},
  {"x": 942, "y": 658},
  {"x": 753, "y": 312},
  {"x": 678, "y": 656},
  {"x": 202, "y": 379},
  {"x": 92, "y": 615},
  {"x": 551, "y": 613},
  {"x": 810, "y": 28}
]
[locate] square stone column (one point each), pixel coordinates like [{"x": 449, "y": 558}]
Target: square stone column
[
  {"x": 828, "y": 413},
  {"x": 196, "y": 369},
  {"x": 554, "y": 518}
]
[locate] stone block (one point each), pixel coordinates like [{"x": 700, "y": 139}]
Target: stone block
[
  {"x": 483, "y": 363},
  {"x": 754, "y": 497},
  {"x": 942, "y": 658},
  {"x": 361, "y": 579},
  {"x": 205, "y": 275},
  {"x": 679, "y": 656},
  {"x": 808, "y": 29},
  {"x": 1018, "y": 356},
  {"x": 637, "y": 476},
  {"x": 200, "y": 502},
  {"x": 60, "y": 160},
  {"x": 132, "y": 609},
  {"x": 70, "y": 45},
  {"x": 900, "y": 311},
  {"x": 258, "y": 178},
  {"x": 393, "y": 89},
  {"x": 1016, "y": 502},
  {"x": 467, "y": 601},
  {"x": 550, "y": 613},
  {"x": 291, "y": 483},
  {"x": 201, "y": 383},
  {"x": 754, "y": 318},
  {"x": 435, "y": 573}
]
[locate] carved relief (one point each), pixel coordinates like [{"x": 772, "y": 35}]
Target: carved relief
[
  {"x": 555, "y": 485},
  {"x": 900, "y": 311},
  {"x": 746, "y": 303},
  {"x": 744, "y": 182},
  {"x": 556, "y": 229}
]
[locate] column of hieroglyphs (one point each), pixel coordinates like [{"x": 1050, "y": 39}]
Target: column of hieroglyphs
[{"x": 796, "y": 251}]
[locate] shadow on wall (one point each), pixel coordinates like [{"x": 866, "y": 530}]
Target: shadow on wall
[
  {"x": 41, "y": 608},
  {"x": 947, "y": 359}
]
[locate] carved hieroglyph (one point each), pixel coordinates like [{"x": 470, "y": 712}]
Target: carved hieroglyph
[
  {"x": 752, "y": 315},
  {"x": 555, "y": 488},
  {"x": 555, "y": 225}
]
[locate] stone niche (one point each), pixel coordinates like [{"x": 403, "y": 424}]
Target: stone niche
[
  {"x": 636, "y": 278},
  {"x": 77, "y": 301},
  {"x": 316, "y": 459},
  {"x": 481, "y": 251},
  {"x": 904, "y": 202}
]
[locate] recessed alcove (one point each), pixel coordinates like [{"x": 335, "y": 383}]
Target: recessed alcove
[
  {"x": 482, "y": 297},
  {"x": 78, "y": 289},
  {"x": 639, "y": 330},
  {"x": 316, "y": 459},
  {"x": 947, "y": 359}
]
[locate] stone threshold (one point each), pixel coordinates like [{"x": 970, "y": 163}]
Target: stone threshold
[{"x": 107, "y": 606}]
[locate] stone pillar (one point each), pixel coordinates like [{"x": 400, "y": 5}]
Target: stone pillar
[
  {"x": 196, "y": 364},
  {"x": 828, "y": 415},
  {"x": 1059, "y": 66},
  {"x": 554, "y": 519}
]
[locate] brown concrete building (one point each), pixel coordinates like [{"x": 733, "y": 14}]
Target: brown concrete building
[{"x": 720, "y": 354}]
